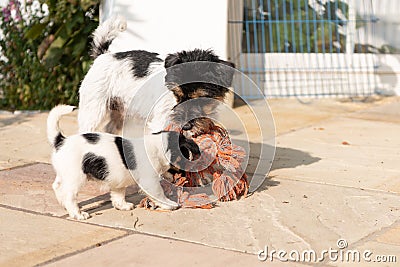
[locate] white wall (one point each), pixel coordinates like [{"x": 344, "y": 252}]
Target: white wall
[
  {"x": 386, "y": 31},
  {"x": 170, "y": 26},
  {"x": 312, "y": 74}
]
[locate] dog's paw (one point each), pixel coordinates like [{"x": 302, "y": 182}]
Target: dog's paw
[
  {"x": 81, "y": 216},
  {"x": 167, "y": 205},
  {"x": 124, "y": 206}
]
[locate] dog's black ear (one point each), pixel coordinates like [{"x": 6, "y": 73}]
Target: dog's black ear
[
  {"x": 171, "y": 60},
  {"x": 185, "y": 151},
  {"x": 189, "y": 148},
  {"x": 173, "y": 78},
  {"x": 226, "y": 73},
  {"x": 228, "y": 63}
]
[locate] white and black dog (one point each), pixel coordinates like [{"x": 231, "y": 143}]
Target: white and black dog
[
  {"x": 110, "y": 91},
  {"x": 113, "y": 160}
]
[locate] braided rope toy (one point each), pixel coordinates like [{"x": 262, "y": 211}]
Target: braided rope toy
[{"x": 229, "y": 182}]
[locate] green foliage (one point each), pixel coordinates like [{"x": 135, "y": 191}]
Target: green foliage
[
  {"x": 45, "y": 52},
  {"x": 292, "y": 26}
]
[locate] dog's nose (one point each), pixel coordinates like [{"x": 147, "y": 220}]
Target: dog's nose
[{"x": 187, "y": 126}]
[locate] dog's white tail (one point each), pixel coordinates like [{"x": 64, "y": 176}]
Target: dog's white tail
[
  {"x": 54, "y": 134},
  {"x": 106, "y": 33}
]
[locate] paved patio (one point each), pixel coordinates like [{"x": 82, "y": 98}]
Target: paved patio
[{"x": 335, "y": 176}]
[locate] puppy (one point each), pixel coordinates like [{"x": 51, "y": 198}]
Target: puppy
[
  {"x": 112, "y": 160},
  {"x": 134, "y": 83}
]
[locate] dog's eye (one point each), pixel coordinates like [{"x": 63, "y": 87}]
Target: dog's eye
[
  {"x": 187, "y": 126},
  {"x": 185, "y": 152}
]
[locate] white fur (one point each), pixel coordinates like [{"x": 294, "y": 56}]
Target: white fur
[
  {"x": 107, "y": 32},
  {"x": 67, "y": 162},
  {"x": 110, "y": 77},
  {"x": 53, "y": 128}
]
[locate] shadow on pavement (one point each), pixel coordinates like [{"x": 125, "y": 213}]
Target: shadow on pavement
[
  {"x": 14, "y": 119},
  {"x": 261, "y": 158},
  {"x": 259, "y": 161},
  {"x": 291, "y": 158}
]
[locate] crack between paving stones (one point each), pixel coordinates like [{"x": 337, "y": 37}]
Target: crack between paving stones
[
  {"x": 247, "y": 221},
  {"x": 276, "y": 222},
  {"x": 65, "y": 218},
  {"x": 128, "y": 233},
  {"x": 373, "y": 235},
  {"x": 68, "y": 255},
  {"x": 175, "y": 239},
  {"x": 371, "y": 119},
  {"x": 337, "y": 185},
  {"x": 22, "y": 166}
]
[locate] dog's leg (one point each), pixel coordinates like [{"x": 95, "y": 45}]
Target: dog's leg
[
  {"x": 118, "y": 199},
  {"x": 56, "y": 187},
  {"x": 91, "y": 115},
  {"x": 66, "y": 192},
  {"x": 72, "y": 207}
]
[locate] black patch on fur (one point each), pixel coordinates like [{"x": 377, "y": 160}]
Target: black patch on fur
[
  {"x": 215, "y": 80},
  {"x": 91, "y": 138},
  {"x": 59, "y": 141},
  {"x": 140, "y": 59},
  {"x": 125, "y": 149},
  {"x": 179, "y": 145},
  {"x": 95, "y": 166},
  {"x": 188, "y": 146},
  {"x": 101, "y": 49}
]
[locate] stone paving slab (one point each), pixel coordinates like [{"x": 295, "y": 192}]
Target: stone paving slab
[
  {"x": 283, "y": 215},
  {"x": 29, "y": 188},
  {"x": 368, "y": 159},
  {"x": 265, "y": 218},
  {"x": 145, "y": 250},
  {"x": 29, "y": 239},
  {"x": 311, "y": 198},
  {"x": 23, "y": 138},
  {"x": 292, "y": 114},
  {"x": 390, "y": 112}
]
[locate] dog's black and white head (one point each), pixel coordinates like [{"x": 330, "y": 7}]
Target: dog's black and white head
[
  {"x": 189, "y": 81},
  {"x": 178, "y": 149},
  {"x": 197, "y": 74}
]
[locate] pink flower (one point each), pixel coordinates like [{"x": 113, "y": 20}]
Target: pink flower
[
  {"x": 12, "y": 11},
  {"x": 6, "y": 14},
  {"x": 15, "y": 5},
  {"x": 6, "y": 11}
]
